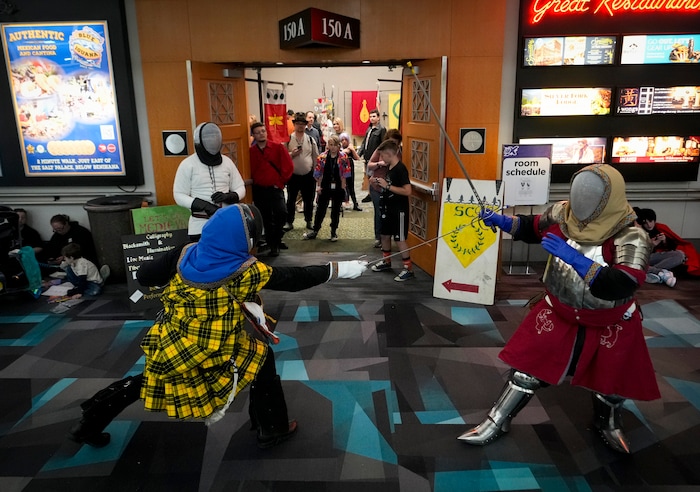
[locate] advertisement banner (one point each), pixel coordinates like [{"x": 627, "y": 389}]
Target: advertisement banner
[
  {"x": 655, "y": 149},
  {"x": 566, "y": 101},
  {"x": 572, "y": 50},
  {"x": 467, "y": 251},
  {"x": 62, "y": 87},
  {"x": 573, "y": 150},
  {"x": 362, "y": 103},
  {"x": 663, "y": 48},
  {"x": 658, "y": 100}
]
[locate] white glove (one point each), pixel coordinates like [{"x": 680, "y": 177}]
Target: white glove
[
  {"x": 351, "y": 269},
  {"x": 256, "y": 316},
  {"x": 256, "y": 311}
]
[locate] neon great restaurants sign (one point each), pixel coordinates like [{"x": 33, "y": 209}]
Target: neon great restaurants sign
[{"x": 542, "y": 9}]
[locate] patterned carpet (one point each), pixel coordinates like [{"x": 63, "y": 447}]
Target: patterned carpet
[{"x": 382, "y": 378}]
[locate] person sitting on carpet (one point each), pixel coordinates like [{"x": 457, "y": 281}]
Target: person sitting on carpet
[{"x": 670, "y": 250}]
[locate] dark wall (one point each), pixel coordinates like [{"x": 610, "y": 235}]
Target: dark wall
[{"x": 615, "y": 76}]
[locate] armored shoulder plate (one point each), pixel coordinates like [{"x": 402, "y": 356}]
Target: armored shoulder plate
[
  {"x": 548, "y": 217},
  {"x": 632, "y": 248}
]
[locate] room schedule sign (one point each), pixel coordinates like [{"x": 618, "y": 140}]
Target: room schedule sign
[{"x": 62, "y": 86}]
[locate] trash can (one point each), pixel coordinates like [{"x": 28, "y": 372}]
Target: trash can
[{"x": 110, "y": 219}]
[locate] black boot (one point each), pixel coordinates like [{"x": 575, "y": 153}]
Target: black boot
[
  {"x": 102, "y": 408},
  {"x": 608, "y": 421},
  {"x": 269, "y": 413}
]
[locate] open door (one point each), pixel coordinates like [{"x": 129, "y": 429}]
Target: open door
[
  {"x": 424, "y": 153},
  {"x": 218, "y": 94}
]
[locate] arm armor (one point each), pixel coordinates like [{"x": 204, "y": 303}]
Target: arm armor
[{"x": 632, "y": 248}]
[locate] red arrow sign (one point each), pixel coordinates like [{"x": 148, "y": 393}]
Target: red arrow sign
[{"x": 450, "y": 286}]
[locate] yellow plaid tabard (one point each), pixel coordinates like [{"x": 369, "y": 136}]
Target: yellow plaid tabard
[{"x": 188, "y": 352}]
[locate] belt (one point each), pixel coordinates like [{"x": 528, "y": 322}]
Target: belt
[{"x": 626, "y": 315}]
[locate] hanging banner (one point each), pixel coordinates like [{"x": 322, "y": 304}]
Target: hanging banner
[
  {"x": 526, "y": 174},
  {"x": 467, "y": 253},
  {"x": 394, "y": 109},
  {"x": 63, "y": 94},
  {"x": 276, "y": 114},
  {"x": 362, "y": 103}
]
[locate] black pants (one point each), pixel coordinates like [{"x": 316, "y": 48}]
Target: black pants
[
  {"x": 306, "y": 184},
  {"x": 270, "y": 202},
  {"x": 335, "y": 197},
  {"x": 350, "y": 184}
]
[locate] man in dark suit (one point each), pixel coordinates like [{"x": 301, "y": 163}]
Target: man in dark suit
[{"x": 374, "y": 136}]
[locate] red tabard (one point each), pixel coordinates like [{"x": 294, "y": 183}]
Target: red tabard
[{"x": 614, "y": 360}]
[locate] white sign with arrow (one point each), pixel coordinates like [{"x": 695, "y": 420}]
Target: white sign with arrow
[{"x": 467, "y": 252}]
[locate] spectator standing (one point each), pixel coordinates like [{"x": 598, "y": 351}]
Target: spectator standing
[
  {"x": 303, "y": 149},
  {"x": 313, "y": 129},
  {"x": 350, "y": 151},
  {"x": 373, "y": 138},
  {"x": 378, "y": 169},
  {"x": 270, "y": 167},
  {"x": 206, "y": 180},
  {"x": 331, "y": 171},
  {"x": 393, "y": 205}
]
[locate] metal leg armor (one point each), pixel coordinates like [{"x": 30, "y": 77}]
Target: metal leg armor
[
  {"x": 608, "y": 421},
  {"x": 515, "y": 395}
]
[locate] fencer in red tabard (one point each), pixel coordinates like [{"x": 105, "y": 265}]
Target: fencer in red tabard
[{"x": 588, "y": 325}]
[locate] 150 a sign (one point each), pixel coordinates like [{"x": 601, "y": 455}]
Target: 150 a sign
[{"x": 314, "y": 27}]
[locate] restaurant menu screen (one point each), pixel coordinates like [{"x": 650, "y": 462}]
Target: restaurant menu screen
[
  {"x": 578, "y": 150},
  {"x": 566, "y": 101},
  {"x": 658, "y": 100},
  {"x": 660, "y": 48},
  {"x": 655, "y": 149},
  {"x": 63, "y": 95},
  {"x": 572, "y": 50}
]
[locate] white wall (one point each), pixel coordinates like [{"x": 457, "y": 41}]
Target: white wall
[{"x": 308, "y": 83}]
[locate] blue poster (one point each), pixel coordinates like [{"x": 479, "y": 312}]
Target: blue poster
[
  {"x": 65, "y": 104},
  {"x": 661, "y": 48}
]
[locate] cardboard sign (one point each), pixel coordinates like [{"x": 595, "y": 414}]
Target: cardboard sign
[{"x": 160, "y": 219}]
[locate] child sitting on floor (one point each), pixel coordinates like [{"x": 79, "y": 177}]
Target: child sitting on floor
[{"x": 81, "y": 272}]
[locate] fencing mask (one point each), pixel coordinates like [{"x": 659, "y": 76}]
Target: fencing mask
[
  {"x": 587, "y": 190},
  {"x": 207, "y": 143}
]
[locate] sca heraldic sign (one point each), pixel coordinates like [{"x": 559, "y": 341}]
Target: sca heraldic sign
[
  {"x": 526, "y": 174},
  {"x": 315, "y": 27}
]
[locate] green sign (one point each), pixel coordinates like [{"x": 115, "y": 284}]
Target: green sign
[{"x": 160, "y": 219}]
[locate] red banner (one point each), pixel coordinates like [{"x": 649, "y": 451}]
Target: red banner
[
  {"x": 275, "y": 117},
  {"x": 362, "y": 103}
]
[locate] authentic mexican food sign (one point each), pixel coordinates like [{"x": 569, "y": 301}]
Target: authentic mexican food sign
[{"x": 63, "y": 94}]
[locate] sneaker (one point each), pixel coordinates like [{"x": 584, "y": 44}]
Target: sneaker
[
  {"x": 356, "y": 209},
  {"x": 334, "y": 236},
  {"x": 667, "y": 278},
  {"x": 310, "y": 235},
  {"x": 367, "y": 199},
  {"x": 382, "y": 266},
  {"x": 377, "y": 243},
  {"x": 653, "y": 278},
  {"x": 104, "y": 272},
  {"x": 287, "y": 227},
  {"x": 404, "y": 275}
]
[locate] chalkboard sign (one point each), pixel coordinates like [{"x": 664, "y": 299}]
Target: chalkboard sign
[{"x": 142, "y": 248}]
